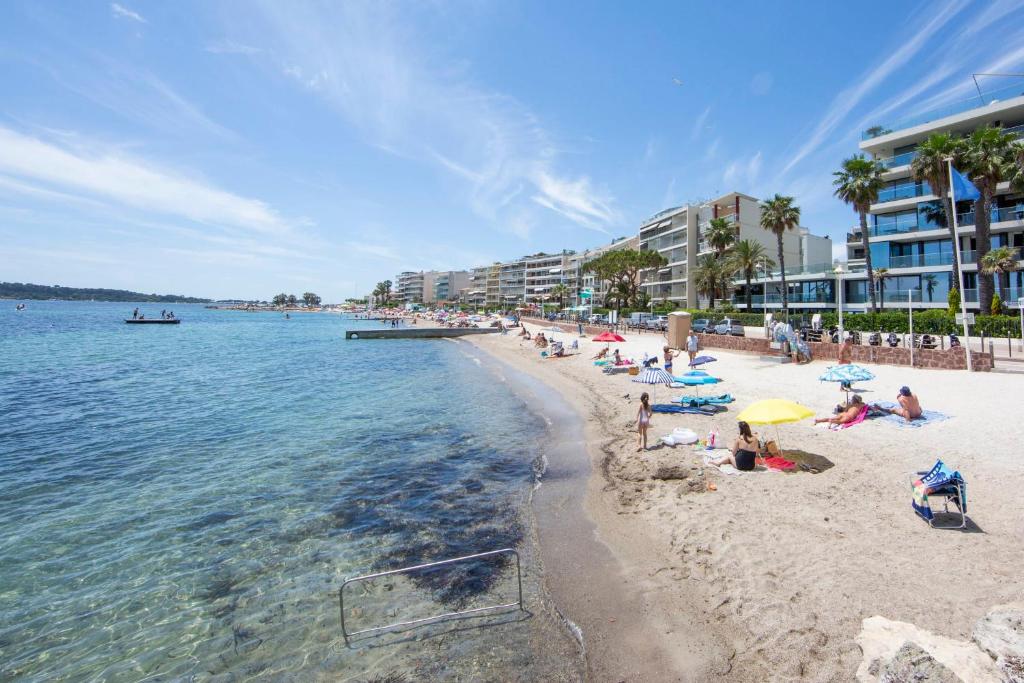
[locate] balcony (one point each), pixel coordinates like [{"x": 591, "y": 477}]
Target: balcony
[
  {"x": 903, "y": 191},
  {"x": 898, "y": 160},
  {"x": 794, "y": 298},
  {"x": 1009, "y": 213},
  {"x": 853, "y": 237},
  {"x": 923, "y": 260},
  {"x": 991, "y": 97}
]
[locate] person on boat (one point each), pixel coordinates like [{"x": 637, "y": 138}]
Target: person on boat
[
  {"x": 135, "y": 313},
  {"x": 643, "y": 421},
  {"x": 745, "y": 449},
  {"x": 909, "y": 406},
  {"x": 848, "y": 414},
  {"x": 163, "y": 314}
]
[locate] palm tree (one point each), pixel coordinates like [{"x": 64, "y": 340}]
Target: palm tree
[
  {"x": 930, "y": 283},
  {"x": 989, "y": 158},
  {"x": 721, "y": 234},
  {"x": 879, "y": 277},
  {"x": 713, "y": 276},
  {"x": 778, "y": 214},
  {"x": 858, "y": 183},
  {"x": 559, "y": 291},
  {"x": 997, "y": 262},
  {"x": 930, "y": 166},
  {"x": 747, "y": 256}
]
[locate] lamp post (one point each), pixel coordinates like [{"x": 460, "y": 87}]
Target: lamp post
[{"x": 839, "y": 297}]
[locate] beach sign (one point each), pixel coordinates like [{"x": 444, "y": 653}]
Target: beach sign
[{"x": 960, "y": 318}]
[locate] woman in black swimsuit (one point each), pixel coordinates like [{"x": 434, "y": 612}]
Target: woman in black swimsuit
[{"x": 745, "y": 449}]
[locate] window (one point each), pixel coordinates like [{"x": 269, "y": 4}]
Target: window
[
  {"x": 935, "y": 286},
  {"x": 891, "y": 223},
  {"x": 879, "y": 255}
]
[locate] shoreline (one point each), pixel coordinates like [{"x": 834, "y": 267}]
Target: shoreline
[{"x": 596, "y": 563}]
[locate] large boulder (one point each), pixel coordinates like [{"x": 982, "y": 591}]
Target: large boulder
[
  {"x": 881, "y": 640},
  {"x": 1000, "y": 633},
  {"x": 911, "y": 663}
]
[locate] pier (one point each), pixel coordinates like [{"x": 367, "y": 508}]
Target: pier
[{"x": 419, "y": 333}]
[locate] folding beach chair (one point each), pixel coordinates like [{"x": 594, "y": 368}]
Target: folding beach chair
[{"x": 940, "y": 482}]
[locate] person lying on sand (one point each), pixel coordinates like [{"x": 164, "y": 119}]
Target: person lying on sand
[
  {"x": 848, "y": 414},
  {"x": 601, "y": 354},
  {"x": 744, "y": 450},
  {"x": 910, "y": 407}
]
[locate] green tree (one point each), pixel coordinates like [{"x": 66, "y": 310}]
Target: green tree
[
  {"x": 311, "y": 299},
  {"x": 280, "y": 299},
  {"x": 879, "y": 277},
  {"x": 858, "y": 183},
  {"x": 292, "y": 300},
  {"x": 988, "y": 157},
  {"x": 931, "y": 281},
  {"x": 720, "y": 235},
  {"x": 560, "y": 291},
  {"x": 931, "y": 166},
  {"x": 621, "y": 269},
  {"x": 382, "y": 292},
  {"x": 998, "y": 262},
  {"x": 953, "y": 300},
  {"x": 778, "y": 214},
  {"x": 713, "y": 276},
  {"x": 747, "y": 256}
]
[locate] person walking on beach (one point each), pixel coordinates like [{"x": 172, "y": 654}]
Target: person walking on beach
[
  {"x": 691, "y": 345},
  {"x": 643, "y": 421},
  {"x": 668, "y": 359}
]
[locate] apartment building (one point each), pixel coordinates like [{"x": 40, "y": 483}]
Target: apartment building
[
  {"x": 907, "y": 234},
  {"x": 512, "y": 283},
  {"x": 415, "y": 287},
  {"x": 678, "y": 234},
  {"x": 811, "y": 278},
  {"x": 543, "y": 272},
  {"x": 577, "y": 276},
  {"x": 448, "y": 284}
]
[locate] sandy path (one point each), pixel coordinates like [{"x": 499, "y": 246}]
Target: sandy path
[{"x": 787, "y": 566}]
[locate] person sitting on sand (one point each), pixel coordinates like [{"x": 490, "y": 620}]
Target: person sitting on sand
[
  {"x": 909, "y": 408},
  {"x": 643, "y": 421},
  {"x": 745, "y": 449},
  {"x": 848, "y": 414},
  {"x": 617, "y": 357},
  {"x": 601, "y": 354}
]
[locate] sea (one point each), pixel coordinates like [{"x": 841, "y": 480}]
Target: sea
[{"x": 184, "y": 502}]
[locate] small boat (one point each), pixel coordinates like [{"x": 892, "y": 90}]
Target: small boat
[{"x": 153, "y": 321}]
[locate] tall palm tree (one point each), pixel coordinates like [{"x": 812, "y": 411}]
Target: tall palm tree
[
  {"x": 931, "y": 281},
  {"x": 713, "y": 276},
  {"x": 858, "y": 183},
  {"x": 989, "y": 156},
  {"x": 930, "y": 166},
  {"x": 721, "y": 234},
  {"x": 879, "y": 277},
  {"x": 778, "y": 214},
  {"x": 559, "y": 291},
  {"x": 997, "y": 262},
  {"x": 747, "y": 256}
]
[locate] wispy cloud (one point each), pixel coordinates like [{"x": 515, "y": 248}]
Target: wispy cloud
[
  {"x": 125, "y": 13},
  {"x": 742, "y": 171},
  {"x": 230, "y": 47},
  {"x": 700, "y": 123},
  {"x": 105, "y": 173},
  {"x": 408, "y": 97},
  {"x": 849, "y": 98}
]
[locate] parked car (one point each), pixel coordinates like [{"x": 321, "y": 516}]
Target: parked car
[
  {"x": 729, "y": 327},
  {"x": 598, "y": 320},
  {"x": 659, "y": 323},
  {"x": 702, "y": 325}
]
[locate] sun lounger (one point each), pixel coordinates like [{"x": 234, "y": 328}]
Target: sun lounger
[{"x": 943, "y": 483}]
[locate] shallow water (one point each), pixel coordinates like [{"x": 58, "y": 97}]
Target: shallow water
[{"x": 180, "y": 502}]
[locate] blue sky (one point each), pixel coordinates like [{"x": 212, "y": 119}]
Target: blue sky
[{"x": 243, "y": 148}]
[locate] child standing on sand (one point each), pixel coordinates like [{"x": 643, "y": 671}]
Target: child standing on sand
[{"x": 643, "y": 421}]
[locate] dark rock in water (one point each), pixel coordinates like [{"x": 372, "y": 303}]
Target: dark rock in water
[
  {"x": 671, "y": 472},
  {"x": 211, "y": 519},
  {"x": 218, "y": 587},
  {"x": 911, "y": 664},
  {"x": 473, "y": 485},
  {"x": 389, "y": 677}
]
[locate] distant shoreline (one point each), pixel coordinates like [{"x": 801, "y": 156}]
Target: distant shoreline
[{"x": 25, "y": 291}]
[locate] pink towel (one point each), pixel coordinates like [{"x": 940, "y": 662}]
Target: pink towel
[{"x": 855, "y": 421}]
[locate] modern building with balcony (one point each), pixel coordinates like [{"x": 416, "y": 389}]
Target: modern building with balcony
[
  {"x": 678, "y": 234},
  {"x": 512, "y": 283},
  {"x": 415, "y": 287},
  {"x": 448, "y": 284},
  {"x": 543, "y": 272},
  {"x": 907, "y": 232},
  {"x": 810, "y": 279}
]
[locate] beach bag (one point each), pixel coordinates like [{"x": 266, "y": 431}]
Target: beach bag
[{"x": 772, "y": 449}]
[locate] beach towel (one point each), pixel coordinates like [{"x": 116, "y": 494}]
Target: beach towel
[
  {"x": 689, "y": 410},
  {"x": 777, "y": 463},
  {"x": 927, "y": 417},
  {"x": 704, "y": 400},
  {"x": 861, "y": 416},
  {"x": 939, "y": 479}
]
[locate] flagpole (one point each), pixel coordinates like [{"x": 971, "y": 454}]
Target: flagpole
[{"x": 959, "y": 264}]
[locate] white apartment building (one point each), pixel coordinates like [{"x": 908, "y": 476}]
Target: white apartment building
[
  {"x": 415, "y": 287},
  {"x": 543, "y": 272},
  {"x": 448, "y": 284},
  {"x": 512, "y": 283},
  {"x": 906, "y": 230},
  {"x": 677, "y": 234}
]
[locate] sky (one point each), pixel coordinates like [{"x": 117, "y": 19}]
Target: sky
[{"x": 240, "y": 149}]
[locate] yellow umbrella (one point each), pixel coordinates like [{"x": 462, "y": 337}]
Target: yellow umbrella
[{"x": 774, "y": 411}]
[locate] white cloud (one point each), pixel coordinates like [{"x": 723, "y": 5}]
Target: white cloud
[
  {"x": 230, "y": 47},
  {"x": 849, "y": 98},
  {"x": 111, "y": 176},
  {"x": 410, "y": 98},
  {"x": 740, "y": 171},
  {"x": 125, "y": 13},
  {"x": 700, "y": 123}
]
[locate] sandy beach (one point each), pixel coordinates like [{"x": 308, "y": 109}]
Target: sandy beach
[{"x": 768, "y": 575}]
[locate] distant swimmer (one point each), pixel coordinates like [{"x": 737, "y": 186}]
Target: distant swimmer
[
  {"x": 20, "y": 307},
  {"x": 287, "y": 317}
]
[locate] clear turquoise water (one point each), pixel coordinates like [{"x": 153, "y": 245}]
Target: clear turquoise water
[{"x": 181, "y": 502}]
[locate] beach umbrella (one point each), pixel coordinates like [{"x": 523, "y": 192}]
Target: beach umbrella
[
  {"x": 654, "y": 376},
  {"x": 701, "y": 360},
  {"x": 847, "y": 374},
  {"x": 609, "y": 337},
  {"x": 774, "y": 411},
  {"x": 696, "y": 378}
]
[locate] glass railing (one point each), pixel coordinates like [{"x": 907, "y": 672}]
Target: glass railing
[
  {"x": 921, "y": 260},
  {"x": 899, "y": 227},
  {"x": 775, "y": 298},
  {"x": 853, "y": 237},
  {"x": 903, "y": 191},
  {"x": 991, "y": 97},
  {"x": 898, "y": 159},
  {"x": 1010, "y": 213}
]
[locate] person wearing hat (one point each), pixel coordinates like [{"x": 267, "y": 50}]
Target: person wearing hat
[{"x": 909, "y": 408}]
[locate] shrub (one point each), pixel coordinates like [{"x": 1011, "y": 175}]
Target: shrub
[
  {"x": 953, "y": 299},
  {"x": 997, "y": 305}
]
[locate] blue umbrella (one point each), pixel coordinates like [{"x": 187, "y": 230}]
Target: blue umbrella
[
  {"x": 701, "y": 360},
  {"x": 846, "y": 373},
  {"x": 696, "y": 379}
]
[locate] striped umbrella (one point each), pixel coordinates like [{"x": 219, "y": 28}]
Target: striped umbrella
[{"x": 654, "y": 376}]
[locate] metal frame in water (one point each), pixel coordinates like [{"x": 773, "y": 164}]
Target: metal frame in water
[{"x": 458, "y": 613}]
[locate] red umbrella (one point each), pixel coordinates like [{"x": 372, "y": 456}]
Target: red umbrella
[{"x": 609, "y": 337}]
